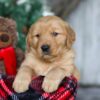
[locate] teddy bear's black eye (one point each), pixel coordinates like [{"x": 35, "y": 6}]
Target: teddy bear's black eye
[{"x": 55, "y": 33}]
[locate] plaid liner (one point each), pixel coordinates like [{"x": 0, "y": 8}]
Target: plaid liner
[{"x": 66, "y": 90}]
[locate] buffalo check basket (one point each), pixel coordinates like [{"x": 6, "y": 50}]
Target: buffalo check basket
[{"x": 66, "y": 91}]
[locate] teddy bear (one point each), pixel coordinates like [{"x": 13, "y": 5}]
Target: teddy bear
[{"x": 9, "y": 38}]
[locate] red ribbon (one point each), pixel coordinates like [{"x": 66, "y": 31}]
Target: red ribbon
[{"x": 9, "y": 57}]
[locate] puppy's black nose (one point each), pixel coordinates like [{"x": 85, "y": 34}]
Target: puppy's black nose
[{"x": 45, "y": 48}]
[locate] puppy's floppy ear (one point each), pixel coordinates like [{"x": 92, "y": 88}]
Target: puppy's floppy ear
[
  {"x": 70, "y": 36},
  {"x": 29, "y": 39}
]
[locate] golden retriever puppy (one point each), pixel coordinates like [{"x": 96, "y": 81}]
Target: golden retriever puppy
[{"x": 49, "y": 53}]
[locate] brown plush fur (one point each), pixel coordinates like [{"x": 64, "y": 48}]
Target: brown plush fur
[
  {"x": 8, "y": 30},
  {"x": 54, "y": 66}
]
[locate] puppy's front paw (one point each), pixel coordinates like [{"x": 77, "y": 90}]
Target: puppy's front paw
[
  {"x": 21, "y": 83},
  {"x": 50, "y": 84}
]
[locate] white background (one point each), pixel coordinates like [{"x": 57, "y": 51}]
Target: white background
[{"x": 85, "y": 20}]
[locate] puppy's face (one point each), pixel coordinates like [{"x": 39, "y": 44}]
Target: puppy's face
[{"x": 49, "y": 36}]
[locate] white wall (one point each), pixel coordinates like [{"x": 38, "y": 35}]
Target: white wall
[{"x": 86, "y": 22}]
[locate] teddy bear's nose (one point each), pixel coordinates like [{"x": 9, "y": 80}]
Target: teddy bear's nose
[{"x": 4, "y": 38}]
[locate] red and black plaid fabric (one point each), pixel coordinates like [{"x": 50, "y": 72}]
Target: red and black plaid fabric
[{"x": 66, "y": 90}]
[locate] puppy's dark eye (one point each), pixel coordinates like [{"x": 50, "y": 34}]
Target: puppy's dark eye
[
  {"x": 37, "y": 35},
  {"x": 55, "y": 33}
]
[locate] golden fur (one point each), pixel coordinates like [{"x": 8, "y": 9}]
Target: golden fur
[{"x": 54, "y": 66}]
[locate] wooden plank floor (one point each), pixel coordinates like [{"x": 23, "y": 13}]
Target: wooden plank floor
[{"x": 88, "y": 94}]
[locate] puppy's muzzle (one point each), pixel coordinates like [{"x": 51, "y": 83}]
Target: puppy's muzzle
[{"x": 45, "y": 49}]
